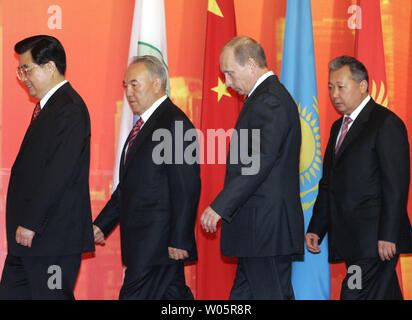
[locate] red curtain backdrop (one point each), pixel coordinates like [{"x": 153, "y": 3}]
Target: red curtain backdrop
[
  {"x": 369, "y": 49},
  {"x": 96, "y": 36}
]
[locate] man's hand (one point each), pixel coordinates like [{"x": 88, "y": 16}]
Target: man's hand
[
  {"x": 177, "y": 254},
  {"x": 386, "y": 249},
  {"x": 98, "y": 235},
  {"x": 24, "y": 236},
  {"x": 209, "y": 220},
  {"x": 312, "y": 242}
]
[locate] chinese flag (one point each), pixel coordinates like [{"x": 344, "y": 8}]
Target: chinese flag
[
  {"x": 220, "y": 109},
  {"x": 369, "y": 50}
]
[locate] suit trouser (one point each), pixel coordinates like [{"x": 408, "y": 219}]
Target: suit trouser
[
  {"x": 263, "y": 278},
  {"x": 164, "y": 282},
  {"x": 39, "y": 278},
  {"x": 377, "y": 280}
]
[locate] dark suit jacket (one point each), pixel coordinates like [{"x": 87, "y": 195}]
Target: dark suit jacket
[
  {"x": 49, "y": 183},
  {"x": 155, "y": 204},
  {"x": 262, "y": 213},
  {"x": 363, "y": 193}
]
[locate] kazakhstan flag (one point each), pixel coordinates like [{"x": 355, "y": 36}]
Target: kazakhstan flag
[{"x": 311, "y": 277}]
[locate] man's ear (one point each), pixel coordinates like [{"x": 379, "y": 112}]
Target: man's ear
[
  {"x": 364, "y": 86},
  {"x": 157, "y": 85},
  {"x": 51, "y": 66},
  {"x": 251, "y": 63}
]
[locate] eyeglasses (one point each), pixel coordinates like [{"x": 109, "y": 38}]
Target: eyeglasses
[{"x": 24, "y": 71}]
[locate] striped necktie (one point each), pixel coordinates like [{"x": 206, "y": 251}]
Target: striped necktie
[
  {"x": 36, "y": 112},
  {"x": 135, "y": 130},
  {"x": 344, "y": 131}
]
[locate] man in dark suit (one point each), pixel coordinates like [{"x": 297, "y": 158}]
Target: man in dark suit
[
  {"x": 48, "y": 213},
  {"x": 262, "y": 219},
  {"x": 363, "y": 194},
  {"x": 157, "y": 195}
]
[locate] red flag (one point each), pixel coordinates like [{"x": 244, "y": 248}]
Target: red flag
[
  {"x": 369, "y": 50},
  {"x": 220, "y": 109}
]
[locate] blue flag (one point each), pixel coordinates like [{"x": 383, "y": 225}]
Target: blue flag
[{"x": 311, "y": 277}]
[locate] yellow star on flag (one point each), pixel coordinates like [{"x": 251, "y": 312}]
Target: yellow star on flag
[
  {"x": 221, "y": 89},
  {"x": 213, "y": 7}
]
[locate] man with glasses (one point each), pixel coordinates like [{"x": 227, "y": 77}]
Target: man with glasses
[{"x": 48, "y": 213}]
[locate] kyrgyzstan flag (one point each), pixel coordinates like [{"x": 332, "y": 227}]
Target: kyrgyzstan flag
[
  {"x": 369, "y": 48},
  {"x": 220, "y": 109}
]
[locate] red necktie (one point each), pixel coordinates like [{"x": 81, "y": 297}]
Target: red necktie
[
  {"x": 344, "y": 131},
  {"x": 36, "y": 112},
  {"x": 135, "y": 130}
]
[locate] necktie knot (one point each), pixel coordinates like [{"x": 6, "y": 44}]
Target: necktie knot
[
  {"x": 133, "y": 133},
  {"x": 347, "y": 121},
  {"x": 135, "y": 130},
  {"x": 344, "y": 131},
  {"x": 36, "y": 112},
  {"x": 139, "y": 123}
]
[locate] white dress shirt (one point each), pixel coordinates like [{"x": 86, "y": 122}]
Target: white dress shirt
[
  {"x": 260, "y": 80},
  {"x": 353, "y": 116},
  {"x": 146, "y": 115},
  {"x": 48, "y": 95}
]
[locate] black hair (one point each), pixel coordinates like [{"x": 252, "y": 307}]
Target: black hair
[
  {"x": 44, "y": 49},
  {"x": 357, "y": 69}
]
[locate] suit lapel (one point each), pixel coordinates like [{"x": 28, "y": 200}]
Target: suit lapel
[
  {"x": 242, "y": 111},
  {"x": 334, "y": 135},
  {"x": 35, "y": 125},
  {"x": 146, "y": 133},
  {"x": 122, "y": 164},
  {"x": 356, "y": 128},
  {"x": 267, "y": 82},
  {"x": 41, "y": 118}
]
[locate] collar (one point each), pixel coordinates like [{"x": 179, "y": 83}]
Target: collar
[
  {"x": 358, "y": 110},
  {"x": 260, "y": 80},
  {"x": 48, "y": 95},
  {"x": 146, "y": 115}
]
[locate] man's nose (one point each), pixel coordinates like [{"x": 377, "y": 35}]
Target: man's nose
[
  {"x": 334, "y": 92},
  {"x": 228, "y": 82},
  {"x": 23, "y": 77},
  {"x": 128, "y": 90}
]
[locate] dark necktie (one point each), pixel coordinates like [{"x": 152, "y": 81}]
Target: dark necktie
[
  {"x": 36, "y": 112},
  {"x": 345, "y": 129},
  {"x": 132, "y": 136}
]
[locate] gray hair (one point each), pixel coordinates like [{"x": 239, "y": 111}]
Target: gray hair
[
  {"x": 357, "y": 69},
  {"x": 154, "y": 66},
  {"x": 245, "y": 48}
]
